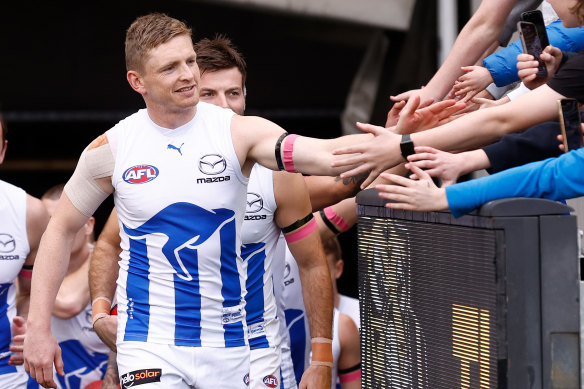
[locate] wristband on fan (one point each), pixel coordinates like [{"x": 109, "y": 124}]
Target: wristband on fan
[{"x": 322, "y": 352}]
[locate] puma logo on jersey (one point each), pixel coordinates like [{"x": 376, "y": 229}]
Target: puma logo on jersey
[
  {"x": 173, "y": 147},
  {"x": 140, "y": 174},
  {"x": 7, "y": 243}
]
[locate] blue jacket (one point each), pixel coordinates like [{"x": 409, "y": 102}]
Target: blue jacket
[
  {"x": 553, "y": 178},
  {"x": 503, "y": 64}
]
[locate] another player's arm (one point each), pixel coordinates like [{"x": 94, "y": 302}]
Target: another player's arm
[
  {"x": 73, "y": 294},
  {"x": 111, "y": 379},
  {"x": 326, "y": 191},
  {"x": 305, "y": 245},
  {"x": 349, "y": 363},
  {"x": 103, "y": 272},
  {"x": 89, "y": 186},
  {"x": 37, "y": 219},
  {"x": 336, "y": 219}
]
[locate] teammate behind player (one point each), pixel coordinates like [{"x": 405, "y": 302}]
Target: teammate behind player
[{"x": 23, "y": 219}]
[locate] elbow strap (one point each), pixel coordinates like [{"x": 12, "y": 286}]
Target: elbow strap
[{"x": 26, "y": 271}]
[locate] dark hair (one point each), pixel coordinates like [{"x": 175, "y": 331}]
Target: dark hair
[
  {"x": 54, "y": 193},
  {"x": 148, "y": 32},
  {"x": 219, "y": 54}
]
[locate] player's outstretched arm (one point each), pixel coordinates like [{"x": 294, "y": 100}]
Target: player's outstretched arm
[
  {"x": 103, "y": 272},
  {"x": 294, "y": 216},
  {"x": 471, "y": 131}
]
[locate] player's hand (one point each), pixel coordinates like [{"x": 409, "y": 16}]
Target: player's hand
[
  {"x": 372, "y": 157},
  {"x": 106, "y": 328},
  {"x": 41, "y": 351},
  {"x": 316, "y": 377},
  {"x": 17, "y": 346},
  {"x": 413, "y": 195}
]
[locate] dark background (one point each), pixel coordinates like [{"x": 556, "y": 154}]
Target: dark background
[{"x": 62, "y": 77}]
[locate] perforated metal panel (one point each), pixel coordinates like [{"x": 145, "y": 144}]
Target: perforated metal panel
[{"x": 428, "y": 297}]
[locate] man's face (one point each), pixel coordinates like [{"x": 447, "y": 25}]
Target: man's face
[
  {"x": 224, "y": 88},
  {"x": 171, "y": 76}
]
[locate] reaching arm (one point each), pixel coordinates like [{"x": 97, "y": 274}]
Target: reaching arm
[
  {"x": 305, "y": 245},
  {"x": 326, "y": 191},
  {"x": 469, "y": 132},
  {"x": 478, "y": 34},
  {"x": 103, "y": 273}
]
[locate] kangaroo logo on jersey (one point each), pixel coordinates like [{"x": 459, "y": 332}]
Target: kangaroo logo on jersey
[
  {"x": 270, "y": 381},
  {"x": 140, "y": 174},
  {"x": 212, "y": 164},
  {"x": 139, "y": 377},
  {"x": 173, "y": 147},
  {"x": 82, "y": 367},
  {"x": 254, "y": 203},
  {"x": 7, "y": 243}
]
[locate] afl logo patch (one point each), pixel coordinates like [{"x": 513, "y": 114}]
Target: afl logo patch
[
  {"x": 212, "y": 164},
  {"x": 7, "y": 243},
  {"x": 254, "y": 203},
  {"x": 140, "y": 174},
  {"x": 270, "y": 381},
  {"x": 246, "y": 379}
]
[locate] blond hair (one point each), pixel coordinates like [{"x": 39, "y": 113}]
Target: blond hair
[{"x": 148, "y": 32}]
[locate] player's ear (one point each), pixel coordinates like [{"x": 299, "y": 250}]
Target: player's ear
[{"x": 136, "y": 81}]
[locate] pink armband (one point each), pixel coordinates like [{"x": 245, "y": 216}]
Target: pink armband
[
  {"x": 301, "y": 232},
  {"x": 350, "y": 377},
  {"x": 336, "y": 219},
  {"x": 288, "y": 150},
  {"x": 25, "y": 274}
]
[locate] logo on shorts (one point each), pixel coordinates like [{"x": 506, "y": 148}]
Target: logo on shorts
[
  {"x": 212, "y": 164},
  {"x": 7, "y": 243},
  {"x": 270, "y": 381},
  {"x": 140, "y": 174},
  {"x": 246, "y": 379},
  {"x": 139, "y": 377}
]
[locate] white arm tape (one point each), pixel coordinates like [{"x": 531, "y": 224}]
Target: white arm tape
[{"x": 82, "y": 189}]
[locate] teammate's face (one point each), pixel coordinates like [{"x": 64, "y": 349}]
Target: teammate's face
[
  {"x": 223, "y": 88},
  {"x": 170, "y": 79}
]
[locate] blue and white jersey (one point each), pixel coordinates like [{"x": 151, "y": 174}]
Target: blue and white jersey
[
  {"x": 259, "y": 249},
  {"x": 296, "y": 319},
  {"x": 336, "y": 347},
  {"x": 350, "y": 306},
  {"x": 84, "y": 354},
  {"x": 14, "y": 248},
  {"x": 180, "y": 198}
]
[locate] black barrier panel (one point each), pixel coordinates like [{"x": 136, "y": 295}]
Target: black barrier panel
[{"x": 467, "y": 303}]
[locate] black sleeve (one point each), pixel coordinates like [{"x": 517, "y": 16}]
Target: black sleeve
[
  {"x": 537, "y": 143},
  {"x": 569, "y": 80}
]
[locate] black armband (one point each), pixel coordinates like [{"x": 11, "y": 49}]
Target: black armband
[
  {"x": 328, "y": 223},
  {"x": 277, "y": 151},
  {"x": 350, "y": 369},
  {"x": 27, "y": 267},
  {"x": 297, "y": 224}
]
